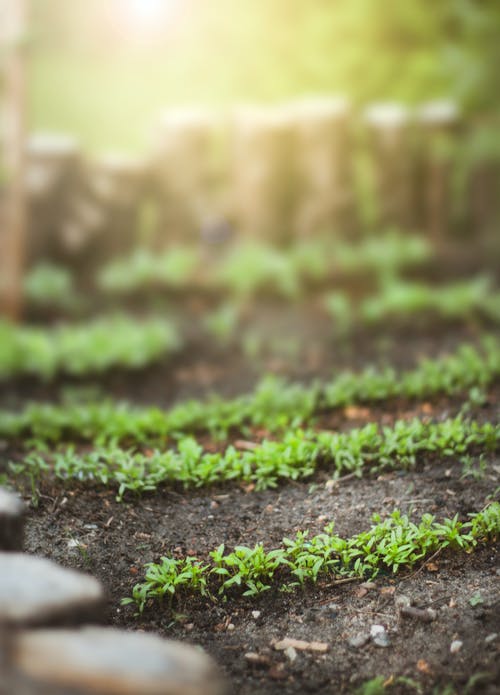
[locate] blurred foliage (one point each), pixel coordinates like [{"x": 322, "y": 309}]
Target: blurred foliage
[{"x": 100, "y": 73}]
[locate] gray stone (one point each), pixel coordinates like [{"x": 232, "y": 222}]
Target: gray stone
[
  {"x": 359, "y": 640},
  {"x": 379, "y": 636},
  {"x": 36, "y": 591},
  {"x": 12, "y": 512},
  {"x": 107, "y": 661}
]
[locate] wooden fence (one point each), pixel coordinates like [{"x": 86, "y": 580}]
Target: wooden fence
[{"x": 281, "y": 173}]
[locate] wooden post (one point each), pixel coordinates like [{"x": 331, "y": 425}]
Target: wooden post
[
  {"x": 265, "y": 173},
  {"x": 116, "y": 186},
  {"x": 389, "y": 125},
  {"x": 12, "y": 201},
  {"x": 439, "y": 121},
  {"x": 52, "y": 181},
  {"x": 186, "y": 173},
  {"x": 326, "y": 198}
]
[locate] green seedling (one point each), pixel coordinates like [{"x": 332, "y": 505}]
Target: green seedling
[
  {"x": 296, "y": 456},
  {"x": 476, "y": 599},
  {"x": 388, "y": 546},
  {"x": 50, "y": 286},
  {"x": 473, "y": 467},
  {"x": 255, "y": 268},
  {"x": 145, "y": 270},
  {"x": 93, "y": 347},
  {"x": 274, "y": 406}
]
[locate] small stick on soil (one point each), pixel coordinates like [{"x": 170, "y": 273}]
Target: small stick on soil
[
  {"x": 349, "y": 476},
  {"x": 425, "y": 615},
  {"x": 346, "y": 580}
]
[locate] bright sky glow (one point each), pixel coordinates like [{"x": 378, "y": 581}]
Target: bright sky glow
[{"x": 150, "y": 13}]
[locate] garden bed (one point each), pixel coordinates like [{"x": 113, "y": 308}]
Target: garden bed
[{"x": 120, "y": 471}]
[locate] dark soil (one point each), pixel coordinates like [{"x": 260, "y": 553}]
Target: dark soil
[
  {"x": 90, "y": 530},
  {"x": 86, "y": 528}
]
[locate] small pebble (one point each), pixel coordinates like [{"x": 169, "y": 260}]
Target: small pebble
[
  {"x": 379, "y": 636},
  {"x": 491, "y": 638},
  {"x": 456, "y": 646},
  {"x": 382, "y": 640},
  {"x": 256, "y": 614},
  {"x": 291, "y": 653},
  {"x": 358, "y": 640}
]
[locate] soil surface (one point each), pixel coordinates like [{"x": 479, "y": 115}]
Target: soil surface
[{"x": 86, "y": 528}]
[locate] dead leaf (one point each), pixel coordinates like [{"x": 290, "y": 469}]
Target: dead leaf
[
  {"x": 424, "y": 667},
  {"x": 246, "y": 446},
  {"x": 354, "y": 413},
  {"x": 388, "y": 590},
  {"x": 432, "y": 567}
]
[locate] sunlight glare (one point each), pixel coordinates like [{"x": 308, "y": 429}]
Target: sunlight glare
[{"x": 150, "y": 14}]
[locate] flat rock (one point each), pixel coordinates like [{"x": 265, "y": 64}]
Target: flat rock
[
  {"x": 107, "y": 661},
  {"x": 12, "y": 513},
  {"x": 36, "y": 591}
]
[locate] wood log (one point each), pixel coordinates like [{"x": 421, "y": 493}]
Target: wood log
[
  {"x": 188, "y": 172},
  {"x": 13, "y": 245},
  {"x": 389, "y": 127},
  {"x": 265, "y": 173},
  {"x": 325, "y": 149},
  {"x": 439, "y": 123},
  {"x": 53, "y": 179},
  {"x": 109, "y": 213}
]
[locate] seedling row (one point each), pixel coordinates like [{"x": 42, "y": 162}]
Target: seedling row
[
  {"x": 296, "y": 456},
  {"x": 388, "y": 546},
  {"x": 100, "y": 344},
  {"x": 273, "y": 406},
  {"x": 246, "y": 270},
  {"x": 91, "y": 347}
]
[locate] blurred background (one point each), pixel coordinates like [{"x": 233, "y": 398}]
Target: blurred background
[
  {"x": 104, "y": 70},
  {"x": 259, "y": 172}
]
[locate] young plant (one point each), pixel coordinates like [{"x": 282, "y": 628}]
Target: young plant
[
  {"x": 274, "y": 405},
  {"x": 106, "y": 342},
  {"x": 388, "y": 545},
  {"x": 296, "y": 456}
]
